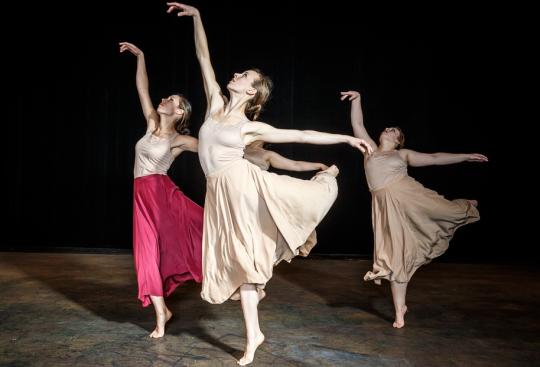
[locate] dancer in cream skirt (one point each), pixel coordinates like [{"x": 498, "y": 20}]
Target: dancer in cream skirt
[{"x": 253, "y": 218}]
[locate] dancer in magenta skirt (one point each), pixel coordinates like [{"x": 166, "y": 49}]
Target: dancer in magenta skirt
[{"x": 167, "y": 225}]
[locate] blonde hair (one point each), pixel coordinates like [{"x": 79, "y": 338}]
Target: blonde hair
[
  {"x": 264, "y": 86},
  {"x": 181, "y": 125}
]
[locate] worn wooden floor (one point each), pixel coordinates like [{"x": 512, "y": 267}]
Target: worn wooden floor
[{"x": 81, "y": 310}]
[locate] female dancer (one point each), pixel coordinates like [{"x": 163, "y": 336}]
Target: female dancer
[
  {"x": 253, "y": 218},
  {"x": 412, "y": 225},
  {"x": 167, "y": 226}
]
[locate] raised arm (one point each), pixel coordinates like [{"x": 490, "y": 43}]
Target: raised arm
[
  {"x": 260, "y": 131},
  {"x": 280, "y": 162},
  {"x": 141, "y": 80},
  {"x": 214, "y": 97},
  {"x": 417, "y": 159},
  {"x": 357, "y": 117}
]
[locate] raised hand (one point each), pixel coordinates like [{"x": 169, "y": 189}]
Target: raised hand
[
  {"x": 126, "y": 46},
  {"x": 350, "y": 95},
  {"x": 183, "y": 9}
]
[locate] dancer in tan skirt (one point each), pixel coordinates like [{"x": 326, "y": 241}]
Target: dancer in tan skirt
[
  {"x": 253, "y": 219},
  {"x": 411, "y": 224}
]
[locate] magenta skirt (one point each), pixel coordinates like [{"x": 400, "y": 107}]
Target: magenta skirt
[{"x": 167, "y": 233}]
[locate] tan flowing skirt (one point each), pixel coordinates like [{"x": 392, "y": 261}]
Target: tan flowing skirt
[{"x": 412, "y": 225}]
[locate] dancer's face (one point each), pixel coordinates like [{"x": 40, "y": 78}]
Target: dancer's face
[
  {"x": 243, "y": 82},
  {"x": 391, "y": 134},
  {"x": 170, "y": 106}
]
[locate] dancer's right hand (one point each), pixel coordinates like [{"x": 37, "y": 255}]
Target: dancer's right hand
[
  {"x": 476, "y": 157},
  {"x": 183, "y": 9},
  {"x": 351, "y": 95},
  {"x": 126, "y": 46},
  {"x": 361, "y": 144}
]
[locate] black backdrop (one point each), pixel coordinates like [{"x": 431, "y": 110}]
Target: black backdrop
[{"x": 74, "y": 118}]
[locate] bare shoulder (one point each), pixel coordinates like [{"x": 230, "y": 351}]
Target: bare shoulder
[
  {"x": 404, "y": 153},
  {"x": 254, "y": 126}
]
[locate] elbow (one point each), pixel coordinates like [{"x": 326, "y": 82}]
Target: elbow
[
  {"x": 297, "y": 167},
  {"x": 435, "y": 159},
  {"x": 303, "y": 136},
  {"x": 203, "y": 57}
]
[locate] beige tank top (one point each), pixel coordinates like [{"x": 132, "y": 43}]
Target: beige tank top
[
  {"x": 153, "y": 155},
  {"x": 382, "y": 168},
  {"x": 219, "y": 144}
]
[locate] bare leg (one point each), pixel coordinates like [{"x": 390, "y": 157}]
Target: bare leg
[
  {"x": 163, "y": 314},
  {"x": 399, "y": 291},
  {"x": 250, "y": 300}
]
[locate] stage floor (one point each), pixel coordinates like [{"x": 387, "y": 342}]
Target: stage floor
[{"x": 59, "y": 309}]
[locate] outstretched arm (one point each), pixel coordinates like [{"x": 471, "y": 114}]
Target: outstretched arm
[
  {"x": 184, "y": 143},
  {"x": 214, "y": 98},
  {"x": 141, "y": 79},
  {"x": 260, "y": 131},
  {"x": 417, "y": 159},
  {"x": 280, "y": 162},
  {"x": 357, "y": 116}
]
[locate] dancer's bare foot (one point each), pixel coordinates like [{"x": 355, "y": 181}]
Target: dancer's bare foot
[
  {"x": 160, "y": 327},
  {"x": 400, "y": 318},
  {"x": 249, "y": 354},
  {"x": 473, "y": 202}
]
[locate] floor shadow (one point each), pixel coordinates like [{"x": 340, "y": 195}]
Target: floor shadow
[
  {"x": 337, "y": 289},
  {"x": 88, "y": 284}
]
